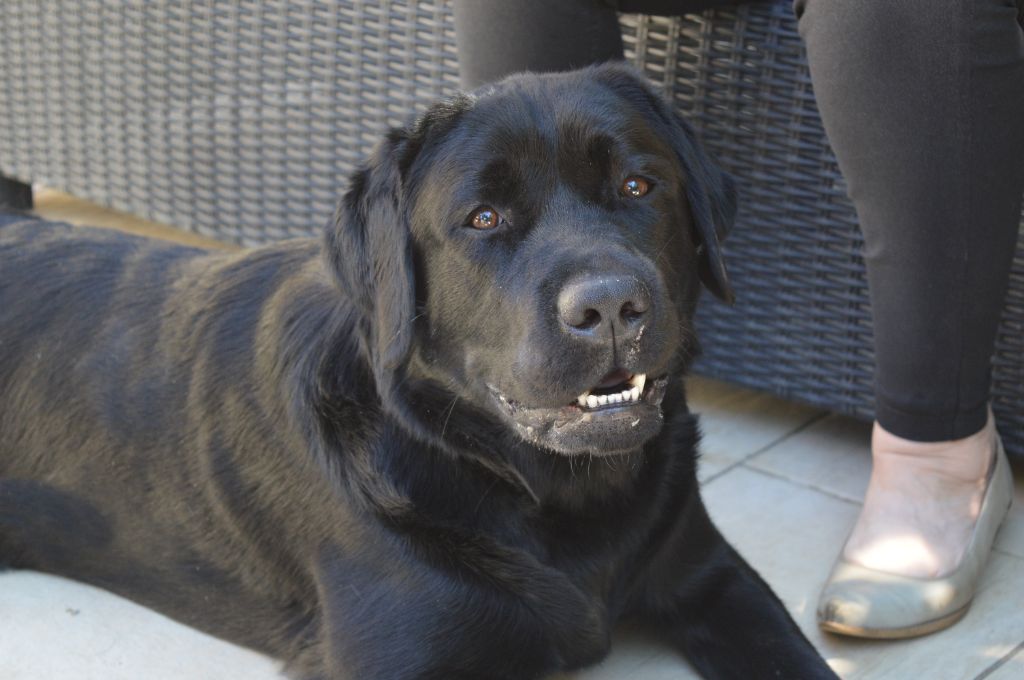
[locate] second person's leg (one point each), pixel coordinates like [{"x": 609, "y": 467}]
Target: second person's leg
[
  {"x": 923, "y": 102},
  {"x": 498, "y": 37}
]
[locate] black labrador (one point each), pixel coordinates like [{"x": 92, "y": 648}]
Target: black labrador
[{"x": 448, "y": 441}]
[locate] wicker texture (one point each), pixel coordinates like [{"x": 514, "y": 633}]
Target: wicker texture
[
  {"x": 801, "y": 327},
  {"x": 241, "y": 120},
  {"x": 238, "y": 120}
]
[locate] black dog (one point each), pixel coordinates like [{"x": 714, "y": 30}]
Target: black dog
[{"x": 449, "y": 442}]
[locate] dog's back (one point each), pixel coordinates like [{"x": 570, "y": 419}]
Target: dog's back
[
  {"x": 119, "y": 358},
  {"x": 78, "y": 315},
  {"x": 365, "y": 458}
]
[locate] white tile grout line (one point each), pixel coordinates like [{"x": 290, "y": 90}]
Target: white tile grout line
[
  {"x": 770, "y": 445},
  {"x": 1006, "y": 553},
  {"x": 1000, "y": 663},
  {"x": 801, "y": 484}
]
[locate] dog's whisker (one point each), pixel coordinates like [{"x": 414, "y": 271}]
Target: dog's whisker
[
  {"x": 664, "y": 247},
  {"x": 483, "y": 496},
  {"x": 451, "y": 408},
  {"x": 400, "y": 330}
]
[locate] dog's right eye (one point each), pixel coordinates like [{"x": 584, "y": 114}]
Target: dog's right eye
[
  {"x": 635, "y": 187},
  {"x": 484, "y": 217}
]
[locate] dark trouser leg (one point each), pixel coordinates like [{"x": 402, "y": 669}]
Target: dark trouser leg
[
  {"x": 923, "y": 102},
  {"x": 499, "y": 37},
  {"x": 14, "y": 194}
]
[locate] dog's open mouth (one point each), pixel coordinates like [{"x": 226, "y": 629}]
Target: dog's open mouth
[
  {"x": 619, "y": 413},
  {"x": 618, "y": 387}
]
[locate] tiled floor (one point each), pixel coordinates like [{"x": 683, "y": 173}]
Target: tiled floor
[{"x": 781, "y": 480}]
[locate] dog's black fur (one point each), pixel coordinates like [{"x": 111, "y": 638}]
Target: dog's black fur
[{"x": 356, "y": 454}]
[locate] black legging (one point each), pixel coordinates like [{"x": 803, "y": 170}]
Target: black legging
[{"x": 923, "y": 103}]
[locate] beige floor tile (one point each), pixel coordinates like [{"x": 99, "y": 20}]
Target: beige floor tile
[
  {"x": 635, "y": 656},
  {"x": 55, "y": 205},
  {"x": 788, "y": 533},
  {"x": 791, "y": 534},
  {"x": 1011, "y": 536},
  {"x": 711, "y": 393},
  {"x": 834, "y": 455},
  {"x": 55, "y": 629},
  {"x": 737, "y": 422},
  {"x": 665, "y": 666},
  {"x": 1010, "y": 669}
]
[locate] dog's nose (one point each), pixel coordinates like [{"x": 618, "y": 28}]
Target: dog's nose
[{"x": 595, "y": 306}]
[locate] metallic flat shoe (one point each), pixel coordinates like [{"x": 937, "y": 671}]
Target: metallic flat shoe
[{"x": 868, "y": 603}]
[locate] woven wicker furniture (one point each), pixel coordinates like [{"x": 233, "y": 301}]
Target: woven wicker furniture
[{"x": 241, "y": 119}]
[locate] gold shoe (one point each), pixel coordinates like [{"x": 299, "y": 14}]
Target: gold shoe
[{"x": 869, "y": 603}]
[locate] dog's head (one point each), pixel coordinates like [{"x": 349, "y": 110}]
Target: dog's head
[{"x": 534, "y": 250}]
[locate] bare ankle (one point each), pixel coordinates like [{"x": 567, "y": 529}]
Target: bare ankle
[{"x": 967, "y": 460}]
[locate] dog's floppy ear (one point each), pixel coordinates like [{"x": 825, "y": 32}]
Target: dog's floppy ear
[
  {"x": 368, "y": 249},
  {"x": 712, "y": 196},
  {"x": 710, "y": 192},
  {"x": 368, "y": 243}
]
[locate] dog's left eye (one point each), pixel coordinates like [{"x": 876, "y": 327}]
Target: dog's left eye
[
  {"x": 635, "y": 187},
  {"x": 484, "y": 217}
]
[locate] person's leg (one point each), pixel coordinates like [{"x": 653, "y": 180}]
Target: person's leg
[
  {"x": 922, "y": 101},
  {"x": 497, "y": 37}
]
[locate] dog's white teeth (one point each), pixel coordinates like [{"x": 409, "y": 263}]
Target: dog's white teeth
[{"x": 626, "y": 396}]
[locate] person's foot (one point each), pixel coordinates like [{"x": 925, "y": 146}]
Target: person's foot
[{"x": 921, "y": 504}]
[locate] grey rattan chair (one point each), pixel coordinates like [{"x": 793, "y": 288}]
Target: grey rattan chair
[{"x": 241, "y": 119}]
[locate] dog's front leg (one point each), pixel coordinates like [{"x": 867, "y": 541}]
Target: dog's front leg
[
  {"x": 388, "y": 615},
  {"x": 718, "y": 611},
  {"x": 382, "y": 620}
]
